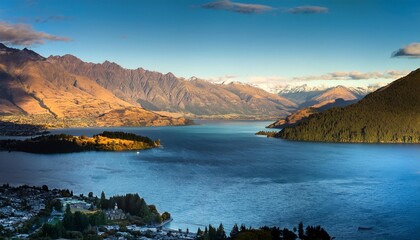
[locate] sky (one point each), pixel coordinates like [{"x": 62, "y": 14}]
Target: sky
[{"x": 265, "y": 42}]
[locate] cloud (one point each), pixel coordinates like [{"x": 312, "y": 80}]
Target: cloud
[
  {"x": 339, "y": 75},
  {"x": 237, "y": 7},
  {"x": 274, "y": 83},
  {"x": 23, "y": 34},
  {"x": 308, "y": 10},
  {"x": 53, "y": 18},
  {"x": 412, "y": 50},
  {"x": 222, "y": 79},
  {"x": 355, "y": 75},
  {"x": 266, "y": 80}
]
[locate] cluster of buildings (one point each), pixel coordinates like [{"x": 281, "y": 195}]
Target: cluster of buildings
[{"x": 19, "y": 205}]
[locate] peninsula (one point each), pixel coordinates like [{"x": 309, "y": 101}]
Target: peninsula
[{"x": 64, "y": 143}]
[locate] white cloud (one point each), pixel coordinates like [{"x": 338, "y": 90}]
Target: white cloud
[
  {"x": 355, "y": 75},
  {"x": 347, "y": 78},
  {"x": 222, "y": 79}
]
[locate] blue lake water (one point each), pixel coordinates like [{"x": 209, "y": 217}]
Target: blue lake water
[{"x": 220, "y": 171}]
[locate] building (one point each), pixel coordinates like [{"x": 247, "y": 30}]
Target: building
[{"x": 115, "y": 214}]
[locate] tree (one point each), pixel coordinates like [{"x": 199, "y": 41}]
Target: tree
[
  {"x": 90, "y": 195},
  {"x": 220, "y": 233},
  {"x": 300, "y": 230},
  {"x": 81, "y": 221},
  {"x": 235, "y": 231},
  {"x": 288, "y": 235},
  {"x": 199, "y": 232},
  {"x": 58, "y": 206},
  {"x": 212, "y": 233},
  {"x": 53, "y": 230},
  {"x": 103, "y": 202},
  {"x": 166, "y": 216},
  {"x": 68, "y": 220}
]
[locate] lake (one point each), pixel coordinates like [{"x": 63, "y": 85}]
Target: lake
[{"x": 220, "y": 172}]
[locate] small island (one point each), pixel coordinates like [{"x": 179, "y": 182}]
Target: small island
[{"x": 65, "y": 143}]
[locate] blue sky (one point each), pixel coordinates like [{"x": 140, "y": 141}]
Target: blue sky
[{"x": 278, "y": 41}]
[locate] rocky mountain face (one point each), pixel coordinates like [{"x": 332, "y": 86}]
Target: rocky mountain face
[
  {"x": 35, "y": 90},
  {"x": 391, "y": 114},
  {"x": 165, "y": 92}
]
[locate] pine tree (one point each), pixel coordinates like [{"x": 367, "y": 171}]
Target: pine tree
[
  {"x": 220, "y": 233},
  {"x": 235, "y": 231},
  {"x": 300, "y": 230},
  {"x": 103, "y": 201}
]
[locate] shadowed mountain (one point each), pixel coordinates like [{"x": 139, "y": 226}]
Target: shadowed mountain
[
  {"x": 36, "y": 91},
  {"x": 165, "y": 92},
  {"x": 390, "y": 114}
]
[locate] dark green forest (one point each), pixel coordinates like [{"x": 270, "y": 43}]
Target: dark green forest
[{"x": 388, "y": 115}]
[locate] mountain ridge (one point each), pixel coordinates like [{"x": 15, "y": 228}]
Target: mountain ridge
[{"x": 166, "y": 92}]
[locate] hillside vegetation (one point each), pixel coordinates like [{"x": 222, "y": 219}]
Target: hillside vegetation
[{"x": 388, "y": 115}]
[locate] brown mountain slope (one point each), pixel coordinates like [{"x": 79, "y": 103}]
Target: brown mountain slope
[
  {"x": 335, "y": 93},
  {"x": 304, "y": 113},
  {"x": 306, "y": 96},
  {"x": 390, "y": 114},
  {"x": 34, "y": 90},
  {"x": 165, "y": 92}
]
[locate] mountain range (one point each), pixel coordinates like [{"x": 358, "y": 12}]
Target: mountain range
[
  {"x": 34, "y": 90},
  {"x": 64, "y": 91},
  {"x": 391, "y": 114},
  {"x": 165, "y": 92}
]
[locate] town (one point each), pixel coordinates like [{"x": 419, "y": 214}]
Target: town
[{"x": 29, "y": 212}]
